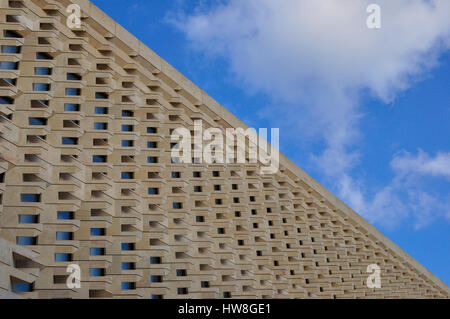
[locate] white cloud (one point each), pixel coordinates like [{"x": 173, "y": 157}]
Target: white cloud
[
  {"x": 315, "y": 57},
  {"x": 406, "y": 196},
  {"x": 406, "y": 163}
]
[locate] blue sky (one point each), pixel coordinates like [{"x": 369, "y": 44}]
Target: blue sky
[{"x": 365, "y": 112}]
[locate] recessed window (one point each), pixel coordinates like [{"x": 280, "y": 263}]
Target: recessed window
[
  {"x": 6, "y": 100},
  {"x": 155, "y": 260},
  {"x": 71, "y": 107},
  {"x": 61, "y": 257},
  {"x": 152, "y": 159},
  {"x": 42, "y": 71},
  {"x": 155, "y": 278},
  {"x": 100, "y": 126},
  {"x": 97, "y": 251},
  {"x": 152, "y": 145},
  {"x": 8, "y": 80},
  {"x": 26, "y": 241},
  {"x": 127, "y": 175},
  {"x": 128, "y": 266},
  {"x": 216, "y": 174},
  {"x": 97, "y": 232},
  {"x": 73, "y": 77},
  {"x": 128, "y": 285},
  {"x": 127, "y": 113},
  {"x": 197, "y": 189},
  {"x": 69, "y": 140},
  {"x": 101, "y": 95},
  {"x": 10, "y": 49},
  {"x": 152, "y": 130},
  {"x": 181, "y": 272},
  {"x": 217, "y": 187},
  {"x": 127, "y": 246},
  {"x": 182, "y": 291},
  {"x": 43, "y": 56},
  {"x": 65, "y": 215},
  {"x": 22, "y": 287},
  {"x": 99, "y": 158},
  {"x": 153, "y": 191},
  {"x": 96, "y": 272},
  {"x": 11, "y": 34},
  {"x": 197, "y": 174},
  {"x": 30, "y": 198},
  {"x": 41, "y": 87},
  {"x": 199, "y": 219},
  {"x": 28, "y": 219},
  {"x": 177, "y": 205},
  {"x": 127, "y": 143},
  {"x": 7, "y": 65},
  {"x": 73, "y": 91},
  {"x": 64, "y": 235},
  {"x": 221, "y": 231},
  {"x": 101, "y": 110},
  {"x": 37, "y": 121},
  {"x": 205, "y": 284},
  {"x": 176, "y": 174},
  {"x": 127, "y": 128}
]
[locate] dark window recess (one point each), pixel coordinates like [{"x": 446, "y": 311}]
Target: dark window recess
[
  {"x": 70, "y": 140},
  {"x": 26, "y": 241},
  {"x": 11, "y": 49},
  {"x": 101, "y": 95},
  {"x": 41, "y": 87},
  {"x": 7, "y": 65},
  {"x": 11, "y": 34},
  {"x": 99, "y": 158},
  {"x": 181, "y": 272},
  {"x": 30, "y": 198},
  {"x": 43, "y": 56},
  {"x": 155, "y": 278},
  {"x": 73, "y": 91},
  {"x": 73, "y": 77},
  {"x": 72, "y": 107},
  {"x": 65, "y": 215},
  {"x": 182, "y": 291},
  {"x": 6, "y": 100},
  {"x": 61, "y": 257},
  {"x": 37, "y": 121},
  {"x": 42, "y": 71}
]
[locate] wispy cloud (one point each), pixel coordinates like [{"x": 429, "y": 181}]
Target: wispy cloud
[
  {"x": 407, "y": 195},
  {"x": 422, "y": 163},
  {"x": 315, "y": 58}
]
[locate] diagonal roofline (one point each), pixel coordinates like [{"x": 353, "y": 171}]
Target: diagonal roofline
[{"x": 143, "y": 51}]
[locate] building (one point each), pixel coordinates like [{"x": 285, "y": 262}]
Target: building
[{"x": 86, "y": 178}]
